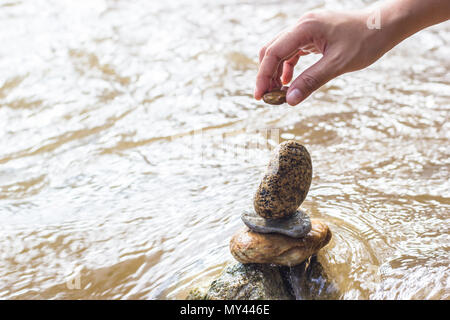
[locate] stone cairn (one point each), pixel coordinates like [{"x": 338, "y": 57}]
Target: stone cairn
[{"x": 278, "y": 232}]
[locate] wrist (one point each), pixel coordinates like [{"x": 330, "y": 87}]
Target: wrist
[
  {"x": 389, "y": 23},
  {"x": 403, "y": 18}
]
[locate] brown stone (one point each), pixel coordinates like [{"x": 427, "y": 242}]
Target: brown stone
[
  {"x": 275, "y": 97},
  {"x": 285, "y": 183},
  {"x": 251, "y": 247}
]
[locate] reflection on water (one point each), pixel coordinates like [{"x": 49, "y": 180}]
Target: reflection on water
[{"x": 100, "y": 182}]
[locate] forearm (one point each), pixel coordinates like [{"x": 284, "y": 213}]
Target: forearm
[{"x": 402, "y": 18}]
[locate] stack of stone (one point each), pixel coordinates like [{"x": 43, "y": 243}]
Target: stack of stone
[{"x": 278, "y": 232}]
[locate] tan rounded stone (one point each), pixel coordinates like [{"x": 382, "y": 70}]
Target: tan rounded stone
[{"x": 251, "y": 247}]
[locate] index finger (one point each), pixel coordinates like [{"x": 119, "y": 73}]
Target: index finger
[{"x": 281, "y": 49}]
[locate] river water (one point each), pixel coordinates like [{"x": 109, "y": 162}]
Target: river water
[{"x": 131, "y": 144}]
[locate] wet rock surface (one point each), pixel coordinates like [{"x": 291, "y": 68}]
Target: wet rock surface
[
  {"x": 307, "y": 281},
  {"x": 285, "y": 183},
  {"x": 297, "y": 225},
  {"x": 248, "y": 282},
  {"x": 247, "y": 246}
]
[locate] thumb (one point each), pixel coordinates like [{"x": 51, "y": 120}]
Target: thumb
[{"x": 310, "y": 80}]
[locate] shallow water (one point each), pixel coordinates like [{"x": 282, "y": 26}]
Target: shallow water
[{"x": 131, "y": 145}]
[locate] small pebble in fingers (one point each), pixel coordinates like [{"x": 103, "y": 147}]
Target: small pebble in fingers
[{"x": 275, "y": 97}]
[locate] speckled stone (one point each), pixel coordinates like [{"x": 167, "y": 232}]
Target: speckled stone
[
  {"x": 250, "y": 247},
  {"x": 297, "y": 225},
  {"x": 285, "y": 183}
]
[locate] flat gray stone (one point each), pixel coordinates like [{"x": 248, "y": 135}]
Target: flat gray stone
[{"x": 296, "y": 226}]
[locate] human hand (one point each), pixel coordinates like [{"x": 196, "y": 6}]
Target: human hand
[{"x": 344, "y": 40}]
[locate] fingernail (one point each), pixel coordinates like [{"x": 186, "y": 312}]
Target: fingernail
[{"x": 294, "y": 97}]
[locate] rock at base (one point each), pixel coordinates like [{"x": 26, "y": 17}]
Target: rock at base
[
  {"x": 248, "y": 282},
  {"x": 297, "y": 225},
  {"x": 250, "y": 247},
  {"x": 307, "y": 281}
]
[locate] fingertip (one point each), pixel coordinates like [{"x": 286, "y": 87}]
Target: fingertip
[
  {"x": 257, "y": 94},
  {"x": 262, "y": 83},
  {"x": 288, "y": 71},
  {"x": 285, "y": 78},
  {"x": 294, "y": 96}
]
